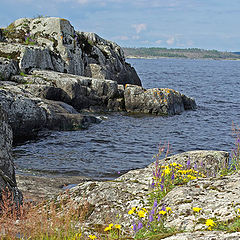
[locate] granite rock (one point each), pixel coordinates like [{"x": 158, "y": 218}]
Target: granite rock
[
  {"x": 8, "y": 68},
  {"x": 115, "y": 198},
  {"x": 52, "y": 44},
  {"x": 7, "y": 171},
  {"x": 159, "y": 101}
]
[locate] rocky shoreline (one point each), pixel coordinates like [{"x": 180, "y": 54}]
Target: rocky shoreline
[
  {"x": 51, "y": 74},
  {"x": 53, "y": 77}
]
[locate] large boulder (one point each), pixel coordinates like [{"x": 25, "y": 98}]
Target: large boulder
[
  {"x": 7, "y": 172},
  {"x": 53, "y": 44},
  {"x": 78, "y": 91},
  {"x": 159, "y": 101},
  {"x": 29, "y": 114}
]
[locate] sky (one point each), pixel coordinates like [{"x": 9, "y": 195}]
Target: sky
[{"x": 205, "y": 24}]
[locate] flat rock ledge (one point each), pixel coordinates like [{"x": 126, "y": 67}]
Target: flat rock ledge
[{"x": 217, "y": 196}]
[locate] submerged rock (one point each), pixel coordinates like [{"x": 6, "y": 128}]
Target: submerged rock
[
  {"x": 7, "y": 171},
  {"x": 159, "y": 101}
]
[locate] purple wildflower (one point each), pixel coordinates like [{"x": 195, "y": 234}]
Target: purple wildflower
[
  {"x": 188, "y": 164},
  {"x": 195, "y": 166},
  {"x": 150, "y": 218},
  {"x": 140, "y": 225},
  {"x": 134, "y": 227},
  {"x": 173, "y": 176},
  {"x": 159, "y": 217},
  {"x": 153, "y": 184},
  {"x": 155, "y": 204},
  {"x": 161, "y": 187},
  {"x": 163, "y": 208},
  {"x": 152, "y": 212}
]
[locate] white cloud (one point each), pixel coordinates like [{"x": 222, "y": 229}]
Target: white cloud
[
  {"x": 158, "y": 42},
  {"x": 170, "y": 41},
  {"x": 139, "y": 27}
]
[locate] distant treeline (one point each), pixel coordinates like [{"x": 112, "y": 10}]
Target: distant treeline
[{"x": 178, "y": 53}]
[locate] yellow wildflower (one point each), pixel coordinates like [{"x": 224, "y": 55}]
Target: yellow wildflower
[
  {"x": 108, "y": 228},
  {"x": 117, "y": 226},
  {"x": 141, "y": 214},
  {"x": 168, "y": 209},
  {"x": 144, "y": 209},
  {"x": 196, "y": 209},
  {"x": 92, "y": 236},
  {"x": 162, "y": 212},
  {"x": 210, "y": 223},
  {"x": 130, "y": 212},
  {"x": 167, "y": 170}
]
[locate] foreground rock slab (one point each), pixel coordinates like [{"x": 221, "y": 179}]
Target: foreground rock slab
[
  {"x": 115, "y": 198},
  {"x": 205, "y": 236},
  {"x": 218, "y": 198}
]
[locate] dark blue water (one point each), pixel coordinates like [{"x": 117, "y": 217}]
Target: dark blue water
[{"x": 123, "y": 142}]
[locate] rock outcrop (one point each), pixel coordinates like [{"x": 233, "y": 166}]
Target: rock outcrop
[
  {"x": 53, "y": 44},
  {"x": 29, "y": 114},
  {"x": 159, "y": 101},
  {"x": 115, "y": 198},
  {"x": 7, "y": 171},
  {"x": 45, "y": 59}
]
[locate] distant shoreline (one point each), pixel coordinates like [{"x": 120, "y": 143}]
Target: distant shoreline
[
  {"x": 151, "y": 57},
  {"x": 191, "y": 53}
]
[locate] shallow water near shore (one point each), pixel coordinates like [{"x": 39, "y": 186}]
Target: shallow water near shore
[{"x": 123, "y": 142}]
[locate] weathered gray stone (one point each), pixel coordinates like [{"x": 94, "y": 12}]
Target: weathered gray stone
[
  {"x": 114, "y": 198},
  {"x": 25, "y": 114},
  {"x": 205, "y": 235},
  {"x": 8, "y": 68},
  {"x": 218, "y": 198},
  {"x": 81, "y": 92},
  {"x": 36, "y": 58},
  {"x": 29, "y": 114},
  {"x": 105, "y": 60},
  {"x": 53, "y": 44},
  {"x": 7, "y": 171},
  {"x": 157, "y": 101}
]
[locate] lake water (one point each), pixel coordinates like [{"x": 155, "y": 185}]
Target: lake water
[{"x": 122, "y": 142}]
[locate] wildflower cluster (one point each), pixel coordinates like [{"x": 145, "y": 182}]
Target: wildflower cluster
[
  {"x": 114, "y": 231},
  {"x": 166, "y": 177},
  {"x": 147, "y": 222},
  {"x": 29, "y": 40}
]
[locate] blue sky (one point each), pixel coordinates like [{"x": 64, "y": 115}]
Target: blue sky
[{"x": 207, "y": 24}]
